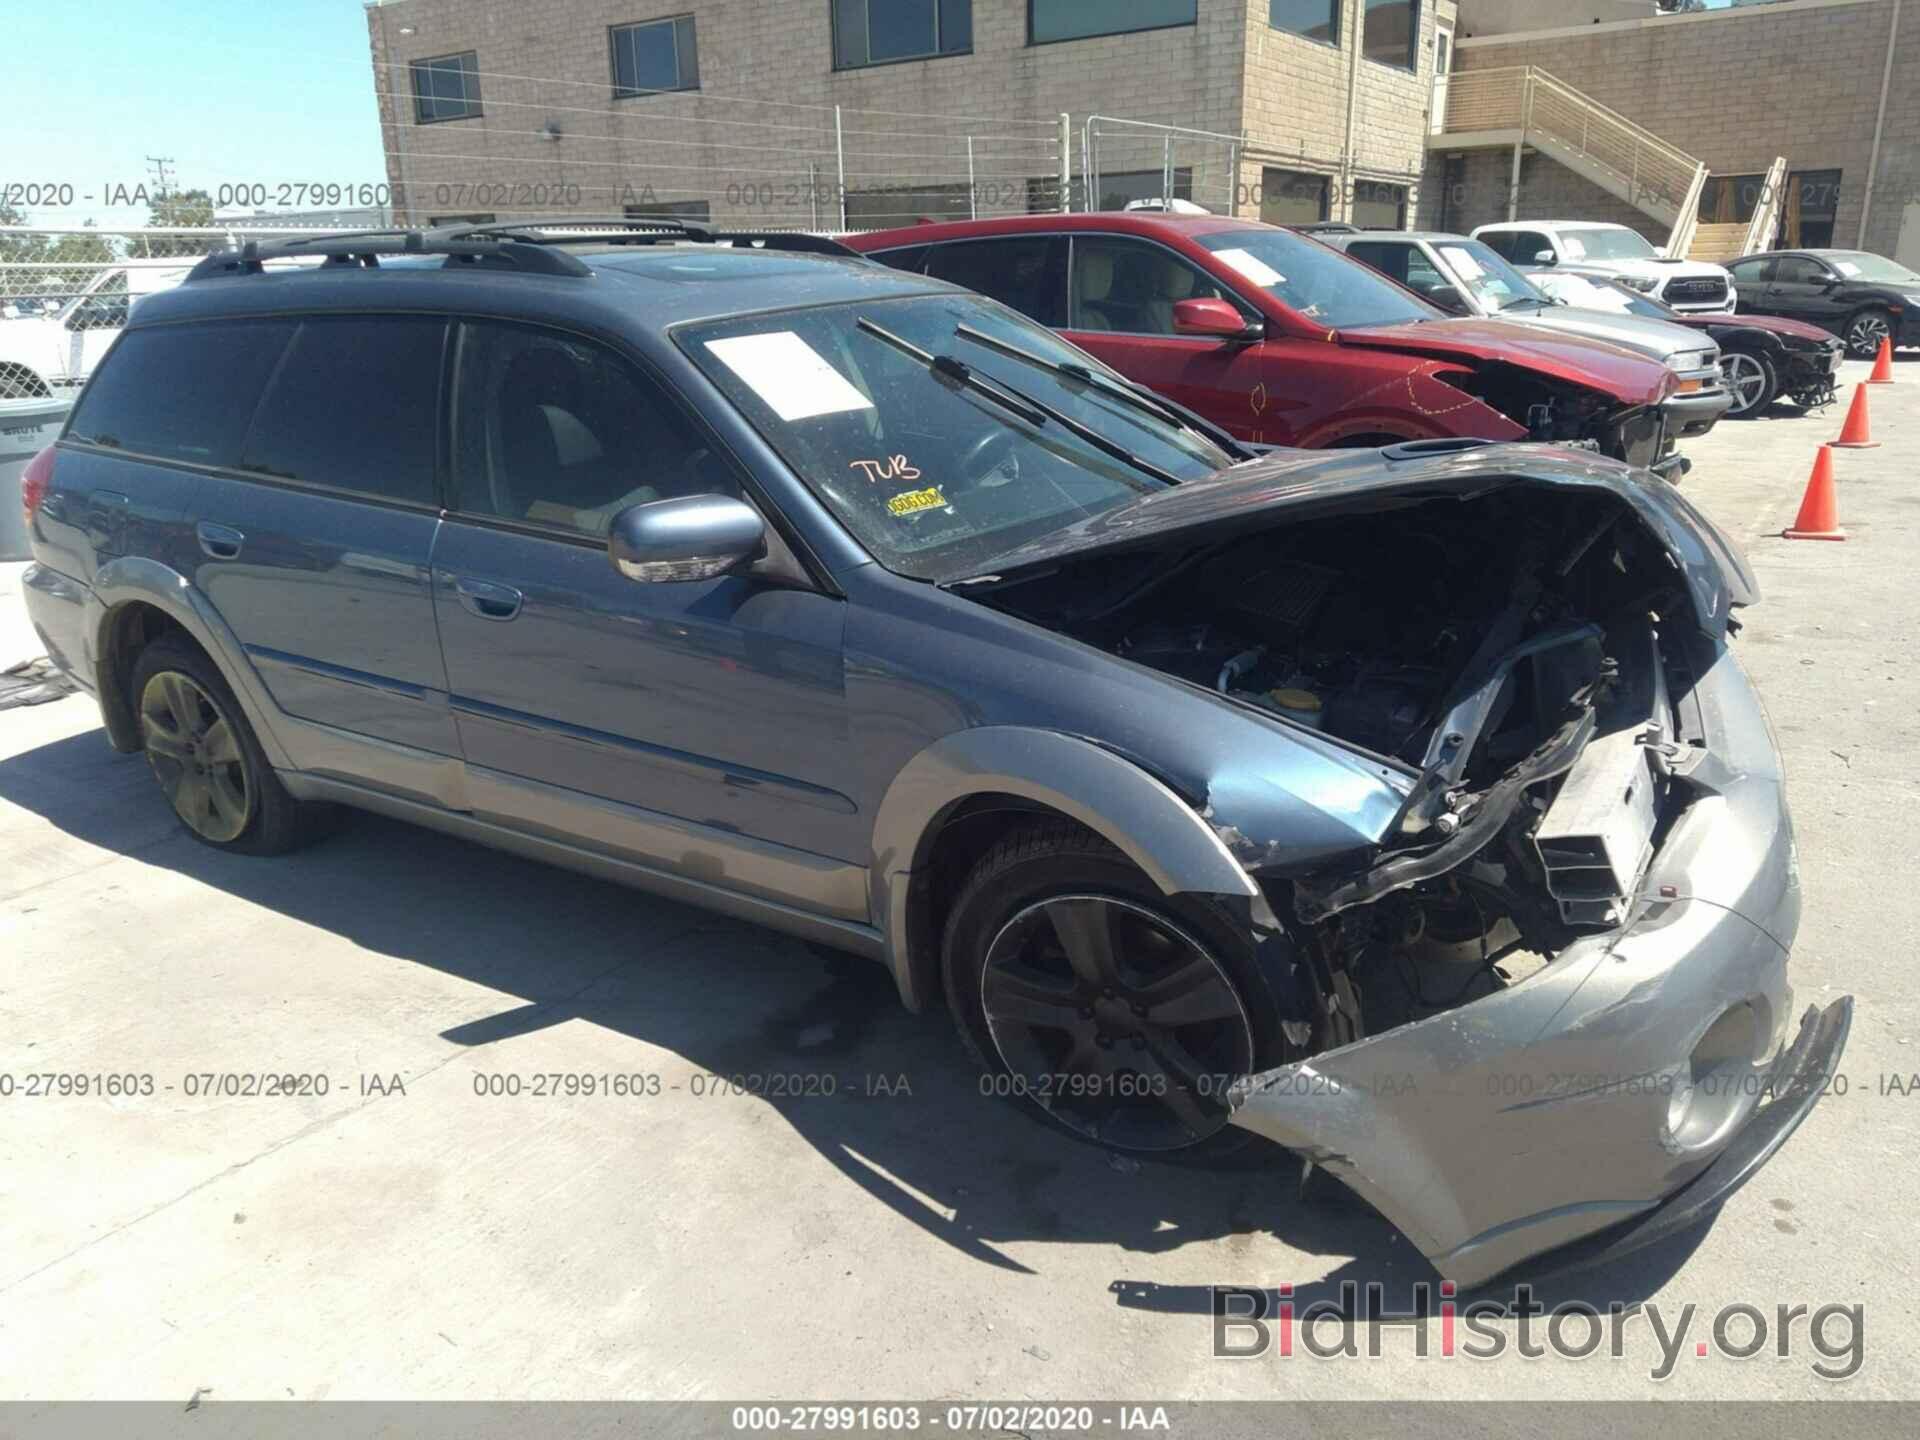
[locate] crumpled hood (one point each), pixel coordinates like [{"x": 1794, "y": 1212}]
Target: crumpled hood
[
  {"x": 1309, "y": 482},
  {"x": 1630, "y": 377}
]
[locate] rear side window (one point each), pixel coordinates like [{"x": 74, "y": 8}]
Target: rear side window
[
  {"x": 1028, "y": 272},
  {"x": 913, "y": 259},
  {"x": 1752, "y": 272},
  {"x": 353, "y": 407},
  {"x": 181, "y": 392}
]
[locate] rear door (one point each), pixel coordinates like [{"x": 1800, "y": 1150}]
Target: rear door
[
  {"x": 684, "y": 724},
  {"x": 315, "y": 545},
  {"x": 1750, "y": 280},
  {"x": 1120, "y": 308}
]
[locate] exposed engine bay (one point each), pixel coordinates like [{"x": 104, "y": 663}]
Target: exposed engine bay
[{"x": 1508, "y": 649}]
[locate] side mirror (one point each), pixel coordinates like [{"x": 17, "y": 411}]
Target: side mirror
[
  {"x": 694, "y": 537},
  {"x": 1213, "y": 317},
  {"x": 1545, "y": 257},
  {"x": 1448, "y": 298}
]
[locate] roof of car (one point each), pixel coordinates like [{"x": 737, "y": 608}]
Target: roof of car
[
  {"x": 1149, "y": 223},
  {"x": 656, "y": 285},
  {"x": 1553, "y": 225},
  {"x": 1436, "y": 237}
]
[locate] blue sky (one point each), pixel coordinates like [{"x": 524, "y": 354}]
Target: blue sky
[{"x": 234, "y": 92}]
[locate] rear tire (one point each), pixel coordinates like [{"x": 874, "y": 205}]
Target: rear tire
[
  {"x": 1121, "y": 1013},
  {"x": 1751, "y": 380},
  {"x": 206, "y": 757}
]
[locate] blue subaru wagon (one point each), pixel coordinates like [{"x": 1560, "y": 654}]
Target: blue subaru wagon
[{"x": 1344, "y": 798}]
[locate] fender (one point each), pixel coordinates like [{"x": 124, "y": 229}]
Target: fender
[
  {"x": 130, "y": 578},
  {"x": 1116, "y": 799}
]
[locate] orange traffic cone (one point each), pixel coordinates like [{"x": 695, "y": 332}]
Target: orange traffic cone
[
  {"x": 1883, "y": 363},
  {"x": 1853, "y": 434},
  {"x": 1819, "y": 517}
]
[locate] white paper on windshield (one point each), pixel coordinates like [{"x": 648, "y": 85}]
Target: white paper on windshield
[
  {"x": 1251, "y": 266},
  {"x": 1464, "y": 262},
  {"x": 789, "y": 374},
  {"x": 1846, "y": 267},
  {"x": 1575, "y": 247}
]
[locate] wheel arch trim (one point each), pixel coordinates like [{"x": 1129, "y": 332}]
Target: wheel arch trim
[
  {"x": 128, "y": 580},
  {"x": 1113, "y": 797}
]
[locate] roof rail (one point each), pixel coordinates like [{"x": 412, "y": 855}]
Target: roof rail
[
  {"x": 652, "y": 230},
  {"x": 525, "y": 245},
  {"x": 365, "y": 247}
]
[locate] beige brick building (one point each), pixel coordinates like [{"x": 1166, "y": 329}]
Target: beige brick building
[
  {"x": 1826, "y": 84},
  {"x": 782, "y": 112}
]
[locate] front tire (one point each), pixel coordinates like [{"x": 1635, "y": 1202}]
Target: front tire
[
  {"x": 1751, "y": 380},
  {"x": 1866, "y": 330},
  {"x": 1121, "y": 1013},
  {"x": 205, "y": 755}
]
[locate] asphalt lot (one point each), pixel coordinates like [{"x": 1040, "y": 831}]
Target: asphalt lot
[{"x": 405, "y": 1235}]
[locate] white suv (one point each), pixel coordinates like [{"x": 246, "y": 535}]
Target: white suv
[
  {"x": 50, "y": 350},
  {"x": 1694, "y": 287}
]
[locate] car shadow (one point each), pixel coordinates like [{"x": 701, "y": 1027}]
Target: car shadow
[{"x": 906, "y": 1121}]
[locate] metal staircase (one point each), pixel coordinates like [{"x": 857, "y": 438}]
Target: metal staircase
[{"x": 1522, "y": 106}]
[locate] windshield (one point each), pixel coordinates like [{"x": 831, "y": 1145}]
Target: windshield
[
  {"x": 1491, "y": 281},
  {"x": 1877, "y": 269},
  {"x": 1606, "y": 245},
  {"x": 929, "y": 470},
  {"x": 1325, "y": 286}
]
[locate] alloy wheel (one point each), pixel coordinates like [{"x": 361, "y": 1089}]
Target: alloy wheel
[
  {"x": 1116, "y": 1021},
  {"x": 1746, "y": 380},
  {"x": 195, "y": 754},
  {"x": 1865, "y": 334}
]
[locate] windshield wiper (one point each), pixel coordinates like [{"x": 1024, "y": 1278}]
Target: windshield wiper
[
  {"x": 1121, "y": 390},
  {"x": 1035, "y": 412},
  {"x": 1519, "y": 300}
]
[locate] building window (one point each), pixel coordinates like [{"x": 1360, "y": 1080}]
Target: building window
[
  {"x": 1730, "y": 199},
  {"x": 1390, "y": 33},
  {"x": 883, "y": 207},
  {"x": 1050, "y": 20},
  {"x": 698, "y": 211},
  {"x": 659, "y": 55},
  {"x": 1315, "y": 19},
  {"x": 1293, "y": 197},
  {"x": 1812, "y": 203},
  {"x": 446, "y": 88},
  {"x": 1121, "y": 188},
  {"x": 1377, "y": 206},
  {"x": 879, "y": 32}
]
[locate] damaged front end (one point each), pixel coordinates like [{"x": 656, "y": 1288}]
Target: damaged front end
[{"x": 1550, "y": 1000}]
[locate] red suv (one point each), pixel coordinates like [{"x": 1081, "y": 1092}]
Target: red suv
[{"x": 1283, "y": 341}]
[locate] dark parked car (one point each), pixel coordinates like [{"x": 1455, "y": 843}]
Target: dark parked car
[
  {"x": 1763, "y": 357},
  {"x": 1282, "y": 340},
  {"x": 1860, "y": 297},
  {"x": 858, "y": 605}
]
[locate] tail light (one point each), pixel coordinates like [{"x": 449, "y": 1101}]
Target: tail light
[{"x": 34, "y": 483}]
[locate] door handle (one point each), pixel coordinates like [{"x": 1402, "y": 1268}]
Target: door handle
[
  {"x": 220, "y": 542},
  {"x": 487, "y": 600}
]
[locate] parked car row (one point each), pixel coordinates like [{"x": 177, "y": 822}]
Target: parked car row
[
  {"x": 1281, "y": 340},
  {"x": 1190, "y": 776}
]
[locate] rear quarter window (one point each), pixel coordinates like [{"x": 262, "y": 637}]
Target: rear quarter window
[
  {"x": 181, "y": 392},
  {"x": 354, "y": 406}
]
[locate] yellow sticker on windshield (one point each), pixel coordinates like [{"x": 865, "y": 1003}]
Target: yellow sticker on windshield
[{"x": 912, "y": 502}]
